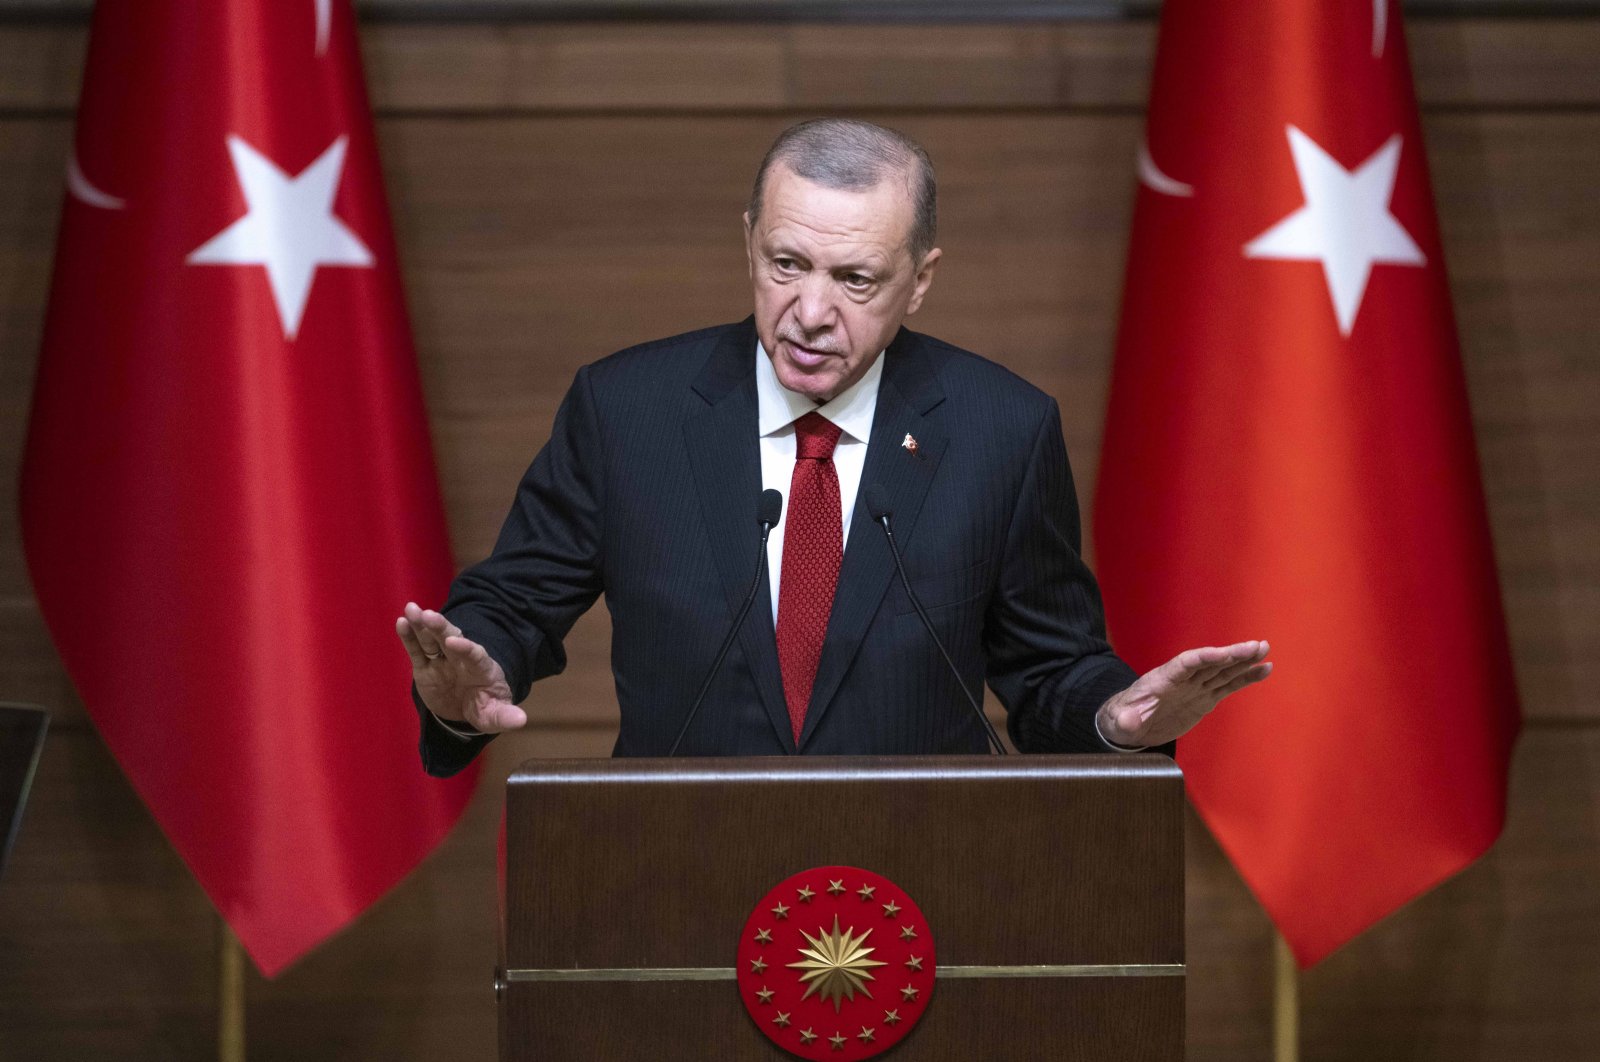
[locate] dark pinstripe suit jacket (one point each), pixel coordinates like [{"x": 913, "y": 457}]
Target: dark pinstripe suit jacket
[{"x": 647, "y": 493}]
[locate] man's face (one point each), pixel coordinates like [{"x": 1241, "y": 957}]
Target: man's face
[{"x": 833, "y": 278}]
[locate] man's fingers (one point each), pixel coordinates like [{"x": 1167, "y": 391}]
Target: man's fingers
[
  {"x": 426, "y": 618},
  {"x": 431, "y": 629},
  {"x": 1201, "y": 663},
  {"x": 1256, "y": 673},
  {"x": 1206, "y": 663},
  {"x": 427, "y": 642},
  {"x": 408, "y": 638},
  {"x": 439, "y": 624},
  {"x": 465, "y": 651},
  {"x": 1227, "y": 674}
]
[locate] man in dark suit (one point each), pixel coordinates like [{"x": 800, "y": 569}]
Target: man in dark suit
[{"x": 647, "y": 492}]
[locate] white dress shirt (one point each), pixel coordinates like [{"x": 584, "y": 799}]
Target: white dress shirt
[{"x": 777, "y": 408}]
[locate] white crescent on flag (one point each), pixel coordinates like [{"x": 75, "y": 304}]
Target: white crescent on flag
[
  {"x": 324, "y": 24},
  {"x": 80, "y": 189},
  {"x": 1151, "y": 177}
]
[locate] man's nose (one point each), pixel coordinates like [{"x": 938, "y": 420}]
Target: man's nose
[{"x": 814, "y": 308}]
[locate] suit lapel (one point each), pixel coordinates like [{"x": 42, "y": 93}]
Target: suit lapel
[
  {"x": 725, "y": 455},
  {"x": 907, "y": 391}
]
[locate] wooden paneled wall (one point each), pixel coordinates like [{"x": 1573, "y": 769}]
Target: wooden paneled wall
[{"x": 564, "y": 190}]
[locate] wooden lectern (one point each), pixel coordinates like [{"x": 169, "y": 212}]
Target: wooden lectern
[{"x": 1052, "y": 884}]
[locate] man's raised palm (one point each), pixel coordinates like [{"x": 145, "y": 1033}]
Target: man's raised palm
[
  {"x": 456, "y": 678},
  {"x": 1167, "y": 702}
]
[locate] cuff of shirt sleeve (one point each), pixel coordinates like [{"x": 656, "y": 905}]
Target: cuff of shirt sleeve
[{"x": 455, "y": 728}]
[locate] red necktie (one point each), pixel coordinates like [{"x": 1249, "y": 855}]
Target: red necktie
[{"x": 813, "y": 548}]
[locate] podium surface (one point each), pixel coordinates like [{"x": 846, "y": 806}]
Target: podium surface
[{"x": 1052, "y": 885}]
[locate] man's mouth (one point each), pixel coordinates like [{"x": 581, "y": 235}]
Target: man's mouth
[{"x": 808, "y": 357}]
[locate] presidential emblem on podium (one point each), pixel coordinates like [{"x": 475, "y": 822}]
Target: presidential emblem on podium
[{"x": 836, "y": 963}]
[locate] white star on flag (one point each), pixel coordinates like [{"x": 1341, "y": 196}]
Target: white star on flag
[
  {"x": 290, "y": 228},
  {"x": 1345, "y": 224}
]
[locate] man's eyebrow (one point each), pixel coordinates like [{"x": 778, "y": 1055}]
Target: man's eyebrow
[
  {"x": 872, "y": 265},
  {"x": 867, "y": 265},
  {"x": 780, "y": 249}
]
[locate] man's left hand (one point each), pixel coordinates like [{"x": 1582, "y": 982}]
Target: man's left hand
[{"x": 1166, "y": 703}]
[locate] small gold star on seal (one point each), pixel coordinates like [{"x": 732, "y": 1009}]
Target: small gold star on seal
[
  {"x": 806, "y": 1036},
  {"x": 837, "y": 1041},
  {"x": 805, "y": 893},
  {"x": 765, "y": 995},
  {"x": 908, "y": 932},
  {"x": 865, "y": 1035},
  {"x": 763, "y": 936},
  {"x": 891, "y": 1017},
  {"x": 891, "y": 909},
  {"x": 782, "y": 1020},
  {"x": 915, "y": 963},
  {"x": 758, "y": 966},
  {"x": 865, "y": 892},
  {"x": 836, "y": 887},
  {"x": 909, "y": 993},
  {"x": 781, "y": 911}
]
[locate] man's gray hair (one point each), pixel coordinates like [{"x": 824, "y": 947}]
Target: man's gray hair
[{"x": 852, "y": 155}]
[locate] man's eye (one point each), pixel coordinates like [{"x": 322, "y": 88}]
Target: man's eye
[
  {"x": 857, "y": 281},
  {"x": 788, "y": 265}
]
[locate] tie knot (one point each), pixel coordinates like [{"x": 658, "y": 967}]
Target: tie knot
[{"x": 815, "y": 437}]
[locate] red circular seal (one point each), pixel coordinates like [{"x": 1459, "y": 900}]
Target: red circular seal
[{"x": 836, "y": 963}]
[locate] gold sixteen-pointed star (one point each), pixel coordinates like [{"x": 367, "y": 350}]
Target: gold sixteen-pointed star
[
  {"x": 836, "y": 965},
  {"x": 806, "y": 893},
  {"x": 866, "y": 891},
  {"x": 891, "y": 909},
  {"x": 781, "y": 911}
]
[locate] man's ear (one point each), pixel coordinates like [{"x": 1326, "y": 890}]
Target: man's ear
[
  {"x": 930, "y": 262},
  {"x": 749, "y": 245}
]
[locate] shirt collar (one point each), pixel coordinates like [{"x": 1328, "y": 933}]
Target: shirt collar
[{"x": 850, "y": 411}]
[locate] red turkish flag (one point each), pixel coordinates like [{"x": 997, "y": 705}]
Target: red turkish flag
[
  {"x": 1289, "y": 455},
  {"x": 228, "y": 492}
]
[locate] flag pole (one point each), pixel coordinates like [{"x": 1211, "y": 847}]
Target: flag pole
[
  {"x": 1285, "y": 1002},
  {"x": 230, "y": 995}
]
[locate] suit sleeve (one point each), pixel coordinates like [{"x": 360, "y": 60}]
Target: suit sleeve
[
  {"x": 545, "y": 570},
  {"x": 1045, "y": 636}
]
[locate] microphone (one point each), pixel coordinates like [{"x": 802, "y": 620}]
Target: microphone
[
  {"x": 767, "y": 512},
  {"x": 878, "y": 506}
]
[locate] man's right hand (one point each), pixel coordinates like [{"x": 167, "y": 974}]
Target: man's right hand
[{"x": 455, "y": 677}]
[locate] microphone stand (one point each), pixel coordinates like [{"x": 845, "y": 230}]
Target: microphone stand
[{"x": 771, "y": 508}]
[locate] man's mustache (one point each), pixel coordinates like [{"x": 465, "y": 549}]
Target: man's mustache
[{"x": 824, "y": 347}]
